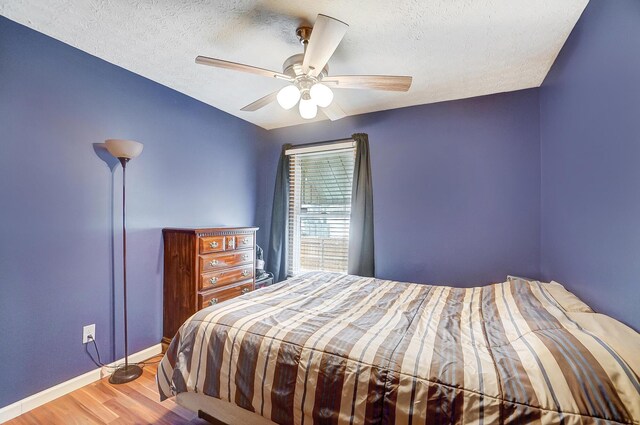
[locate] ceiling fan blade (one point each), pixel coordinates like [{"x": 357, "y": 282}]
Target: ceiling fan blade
[
  {"x": 326, "y": 35},
  {"x": 219, "y": 63},
  {"x": 334, "y": 111},
  {"x": 372, "y": 82},
  {"x": 263, "y": 101}
]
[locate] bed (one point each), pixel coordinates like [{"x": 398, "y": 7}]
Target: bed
[{"x": 333, "y": 348}]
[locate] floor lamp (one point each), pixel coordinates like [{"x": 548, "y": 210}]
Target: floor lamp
[{"x": 124, "y": 150}]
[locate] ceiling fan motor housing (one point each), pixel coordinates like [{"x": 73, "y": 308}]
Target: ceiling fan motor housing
[{"x": 293, "y": 68}]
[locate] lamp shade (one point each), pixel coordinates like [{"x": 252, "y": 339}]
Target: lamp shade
[
  {"x": 123, "y": 148},
  {"x": 321, "y": 95},
  {"x": 308, "y": 109},
  {"x": 288, "y": 96}
]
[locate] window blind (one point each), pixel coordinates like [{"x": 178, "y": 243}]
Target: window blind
[{"x": 319, "y": 210}]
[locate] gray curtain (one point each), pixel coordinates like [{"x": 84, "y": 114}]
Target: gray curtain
[
  {"x": 361, "y": 251},
  {"x": 277, "y": 250}
]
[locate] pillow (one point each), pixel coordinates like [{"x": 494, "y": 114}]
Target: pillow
[
  {"x": 510, "y": 278},
  {"x": 569, "y": 301}
]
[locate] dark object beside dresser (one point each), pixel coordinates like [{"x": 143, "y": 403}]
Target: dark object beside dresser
[
  {"x": 266, "y": 279},
  {"x": 202, "y": 267}
]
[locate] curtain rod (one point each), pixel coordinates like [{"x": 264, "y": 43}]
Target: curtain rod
[
  {"x": 327, "y": 142},
  {"x": 301, "y": 148}
]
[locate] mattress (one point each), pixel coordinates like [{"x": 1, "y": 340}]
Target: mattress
[{"x": 334, "y": 348}]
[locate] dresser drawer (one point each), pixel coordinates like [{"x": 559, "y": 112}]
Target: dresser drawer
[
  {"x": 225, "y": 277},
  {"x": 211, "y": 244},
  {"x": 229, "y": 243},
  {"x": 244, "y": 242},
  {"x": 223, "y": 260},
  {"x": 217, "y": 296}
]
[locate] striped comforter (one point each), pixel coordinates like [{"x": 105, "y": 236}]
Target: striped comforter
[{"x": 334, "y": 348}]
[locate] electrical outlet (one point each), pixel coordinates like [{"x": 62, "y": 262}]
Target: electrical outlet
[{"x": 89, "y": 330}]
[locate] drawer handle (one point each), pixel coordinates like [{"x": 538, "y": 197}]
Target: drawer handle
[
  {"x": 245, "y": 257},
  {"x": 213, "y": 301},
  {"x": 245, "y": 290},
  {"x": 245, "y": 273},
  {"x": 214, "y": 262},
  {"x": 245, "y": 241},
  {"x": 230, "y": 243},
  {"x": 213, "y": 280},
  {"x": 213, "y": 244}
]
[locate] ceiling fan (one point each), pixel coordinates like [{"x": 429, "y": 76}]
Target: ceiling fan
[{"x": 309, "y": 76}]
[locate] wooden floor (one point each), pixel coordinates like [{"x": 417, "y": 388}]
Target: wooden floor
[{"x": 102, "y": 403}]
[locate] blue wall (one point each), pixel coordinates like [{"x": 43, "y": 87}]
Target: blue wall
[
  {"x": 56, "y": 219},
  {"x": 456, "y": 186},
  {"x": 590, "y": 144}
]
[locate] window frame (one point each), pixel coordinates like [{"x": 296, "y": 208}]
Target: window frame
[{"x": 294, "y": 216}]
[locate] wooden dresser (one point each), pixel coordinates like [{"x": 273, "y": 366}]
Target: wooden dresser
[{"x": 202, "y": 267}]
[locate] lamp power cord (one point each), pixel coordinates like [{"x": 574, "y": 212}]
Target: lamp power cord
[{"x": 98, "y": 362}]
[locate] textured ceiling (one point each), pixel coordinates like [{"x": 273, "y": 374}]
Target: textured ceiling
[{"x": 453, "y": 48}]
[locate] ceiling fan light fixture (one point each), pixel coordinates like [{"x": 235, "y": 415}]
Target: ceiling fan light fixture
[
  {"x": 288, "y": 96},
  {"x": 321, "y": 95},
  {"x": 308, "y": 109}
]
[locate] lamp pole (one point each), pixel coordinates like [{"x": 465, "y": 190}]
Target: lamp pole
[
  {"x": 124, "y": 161},
  {"x": 124, "y": 150}
]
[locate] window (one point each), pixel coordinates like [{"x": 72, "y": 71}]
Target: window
[{"x": 320, "y": 207}]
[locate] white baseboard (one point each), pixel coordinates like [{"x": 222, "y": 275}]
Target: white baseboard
[{"x": 22, "y": 406}]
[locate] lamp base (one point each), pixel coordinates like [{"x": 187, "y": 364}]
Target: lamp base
[{"x": 125, "y": 374}]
